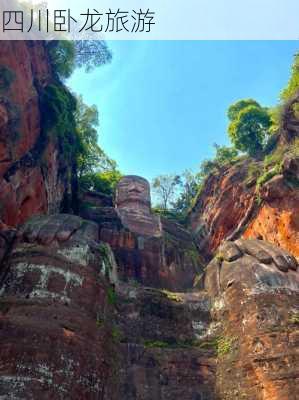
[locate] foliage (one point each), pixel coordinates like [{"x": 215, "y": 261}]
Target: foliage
[
  {"x": 293, "y": 150},
  {"x": 267, "y": 175},
  {"x": 62, "y": 55},
  {"x": 116, "y": 335},
  {"x": 172, "y": 296},
  {"x": 238, "y": 106},
  {"x": 90, "y": 155},
  {"x": 189, "y": 186},
  {"x": 293, "y": 84},
  {"x": 58, "y": 113},
  {"x": 294, "y": 319},
  {"x": 104, "y": 182},
  {"x": 275, "y": 116},
  {"x": 171, "y": 344},
  {"x": 91, "y": 54},
  {"x": 272, "y": 164},
  {"x": 225, "y": 154},
  {"x": 150, "y": 344},
  {"x": 225, "y": 345},
  {"x": 111, "y": 296},
  {"x": 66, "y": 55},
  {"x": 254, "y": 171},
  {"x": 165, "y": 187},
  {"x": 6, "y": 77},
  {"x": 249, "y": 128}
]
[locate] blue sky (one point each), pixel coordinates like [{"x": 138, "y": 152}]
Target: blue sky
[{"x": 163, "y": 104}]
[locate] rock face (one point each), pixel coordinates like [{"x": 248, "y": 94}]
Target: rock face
[
  {"x": 34, "y": 176},
  {"x": 277, "y": 220},
  {"x": 55, "y": 342},
  {"x": 230, "y": 207},
  {"x": 116, "y": 304},
  {"x": 225, "y": 204},
  {"x": 255, "y": 291},
  {"x": 148, "y": 249},
  {"x": 159, "y": 355}
]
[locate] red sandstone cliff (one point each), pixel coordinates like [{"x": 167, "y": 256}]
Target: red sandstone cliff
[
  {"x": 231, "y": 206},
  {"x": 34, "y": 177}
]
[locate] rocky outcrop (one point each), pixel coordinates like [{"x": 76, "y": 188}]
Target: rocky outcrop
[
  {"x": 231, "y": 206},
  {"x": 55, "y": 317},
  {"x": 225, "y": 203},
  {"x": 35, "y": 177},
  {"x": 254, "y": 287}
]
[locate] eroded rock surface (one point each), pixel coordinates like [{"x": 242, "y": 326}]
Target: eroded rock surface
[
  {"x": 160, "y": 353},
  {"x": 255, "y": 290},
  {"x": 232, "y": 206},
  {"x": 55, "y": 341},
  {"x": 35, "y": 173},
  {"x": 277, "y": 220}
]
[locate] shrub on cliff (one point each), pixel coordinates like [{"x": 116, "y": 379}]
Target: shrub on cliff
[
  {"x": 90, "y": 155},
  {"x": 58, "y": 107},
  {"x": 249, "y": 126},
  {"x": 293, "y": 85}
]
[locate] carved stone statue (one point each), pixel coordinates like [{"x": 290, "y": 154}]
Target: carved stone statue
[{"x": 133, "y": 205}]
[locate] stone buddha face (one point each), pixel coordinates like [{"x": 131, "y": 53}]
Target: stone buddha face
[
  {"x": 133, "y": 204},
  {"x": 133, "y": 194}
]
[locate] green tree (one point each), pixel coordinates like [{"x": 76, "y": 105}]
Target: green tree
[
  {"x": 249, "y": 127},
  {"x": 90, "y": 155},
  {"x": 224, "y": 154},
  {"x": 238, "y": 106},
  {"x": 190, "y": 184},
  {"x": 165, "y": 187},
  {"x": 66, "y": 55}
]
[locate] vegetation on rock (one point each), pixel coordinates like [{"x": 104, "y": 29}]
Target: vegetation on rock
[
  {"x": 6, "y": 78},
  {"x": 249, "y": 126}
]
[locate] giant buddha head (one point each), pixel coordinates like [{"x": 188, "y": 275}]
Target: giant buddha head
[
  {"x": 133, "y": 193},
  {"x": 133, "y": 204}
]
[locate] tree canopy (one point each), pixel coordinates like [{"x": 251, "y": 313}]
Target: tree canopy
[
  {"x": 165, "y": 187},
  {"x": 249, "y": 126},
  {"x": 90, "y": 155},
  {"x": 66, "y": 55}
]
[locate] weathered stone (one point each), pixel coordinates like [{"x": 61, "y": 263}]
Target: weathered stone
[
  {"x": 290, "y": 168},
  {"x": 35, "y": 173},
  {"x": 229, "y": 251},
  {"x": 53, "y": 296},
  {"x": 160, "y": 345},
  {"x": 227, "y": 208},
  {"x": 256, "y": 307}
]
